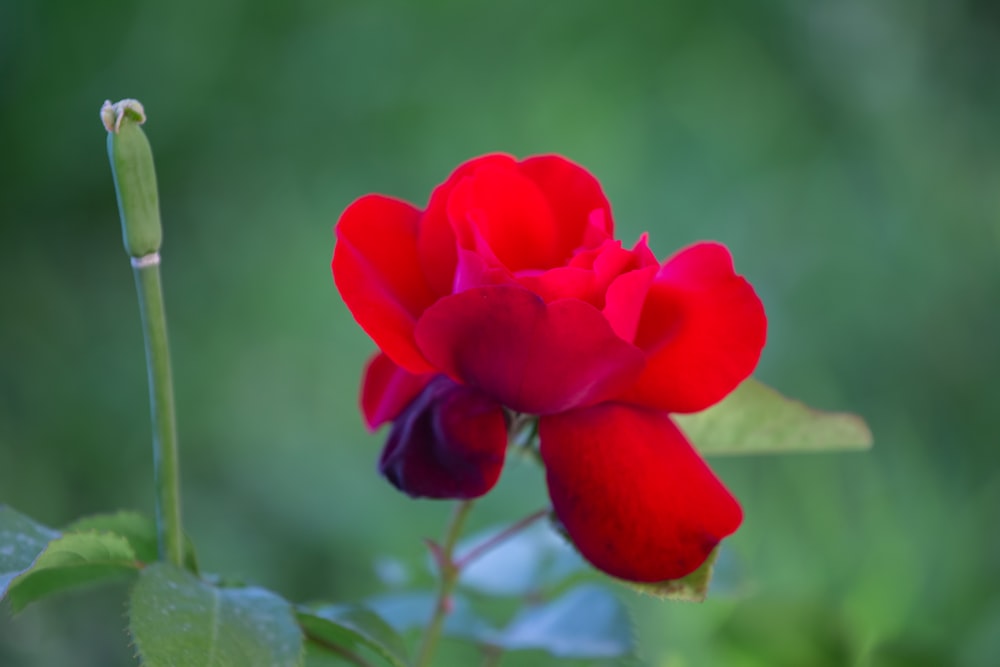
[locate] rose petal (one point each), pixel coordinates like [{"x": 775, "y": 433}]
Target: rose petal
[
  {"x": 474, "y": 270},
  {"x": 448, "y": 443},
  {"x": 564, "y": 282},
  {"x": 580, "y": 209},
  {"x": 509, "y": 212},
  {"x": 531, "y": 356},
  {"x": 377, "y": 270},
  {"x": 702, "y": 328},
  {"x": 586, "y": 277},
  {"x": 632, "y": 493},
  {"x": 436, "y": 242},
  {"x": 624, "y": 300},
  {"x": 387, "y": 389},
  {"x": 626, "y": 294}
]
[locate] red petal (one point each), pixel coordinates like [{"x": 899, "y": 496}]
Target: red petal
[
  {"x": 633, "y": 494},
  {"x": 436, "y": 243},
  {"x": 580, "y": 209},
  {"x": 531, "y": 356},
  {"x": 564, "y": 282},
  {"x": 509, "y": 212},
  {"x": 624, "y": 300},
  {"x": 387, "y": 389},
  {"x": 587, "y": 276},
  {"x": 474, "y": 270},
  {"x": 449, "y": 443},
  {"x": 377, "y": 271},
  {"x": 702, "y": 328}
]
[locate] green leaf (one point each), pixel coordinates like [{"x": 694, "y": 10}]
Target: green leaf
[
  {"x": 691, "y": 588},
  {"x": 522, "y": 564},
  {"x": 349, "y": 625},
  {"x": 411, "y": 610},
  {"x": 756, "y": 419},
  {"x": 177, "y": 620},
  {"x": 71, "y": 561},
  {"x": 139, "y": 530},
  {"x": 587, "y": 621},
  {"x": 21, "y": 541}
]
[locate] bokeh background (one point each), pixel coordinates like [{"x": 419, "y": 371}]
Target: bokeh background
[{"x": 847, "y": 152}]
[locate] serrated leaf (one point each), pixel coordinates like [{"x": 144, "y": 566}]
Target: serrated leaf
[
  {"x": 139, "y": 530},
  {"x": 349, "y": 625},
  {"x": 522, "y": 564},
  {"x": 21, "y": 541},
  {"x": 692, "y": 588},
  {"x": 71, "y": 561},
  {"x": 177, "y": 620},
  {"x": 587, "y": 621},
  {"x": 412, "y": 610},
  {"x": 756, "y": 419}
]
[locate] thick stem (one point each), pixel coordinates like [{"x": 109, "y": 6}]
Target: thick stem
[
  {"x": 448, "y": 578},
  {"x": 161, "y": 397}
]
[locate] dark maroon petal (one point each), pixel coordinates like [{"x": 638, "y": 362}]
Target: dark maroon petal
[
  {"x": 531, "y": 356},
  {"x": 448, "y": 443},
  {"x": 632, "y": 493},
  {"x": 377, "y": 270},
  {"x": 387, "y": 389},
  {"x": 702, "y": 328}
]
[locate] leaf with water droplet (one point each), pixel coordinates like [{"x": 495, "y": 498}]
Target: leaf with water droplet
[{"x": 178, "y": 620}]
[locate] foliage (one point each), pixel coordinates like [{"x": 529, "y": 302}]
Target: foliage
[
  {"x": 755, "y": 419},
  {"x": 176, "y": 620},
  {"x": 847, "y": 150}
]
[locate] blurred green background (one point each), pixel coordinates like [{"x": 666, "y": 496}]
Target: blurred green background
[{"x": 847, "y": 152}]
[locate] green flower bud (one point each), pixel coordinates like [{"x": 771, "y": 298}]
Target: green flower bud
[{"x": 134, "y": 177}]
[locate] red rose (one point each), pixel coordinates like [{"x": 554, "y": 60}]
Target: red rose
[{"x": 509, "y": 292}]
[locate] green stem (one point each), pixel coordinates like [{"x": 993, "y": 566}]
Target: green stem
[
  {"x": 449, "y": 577},
  {"x": 161, "y": 397}
]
